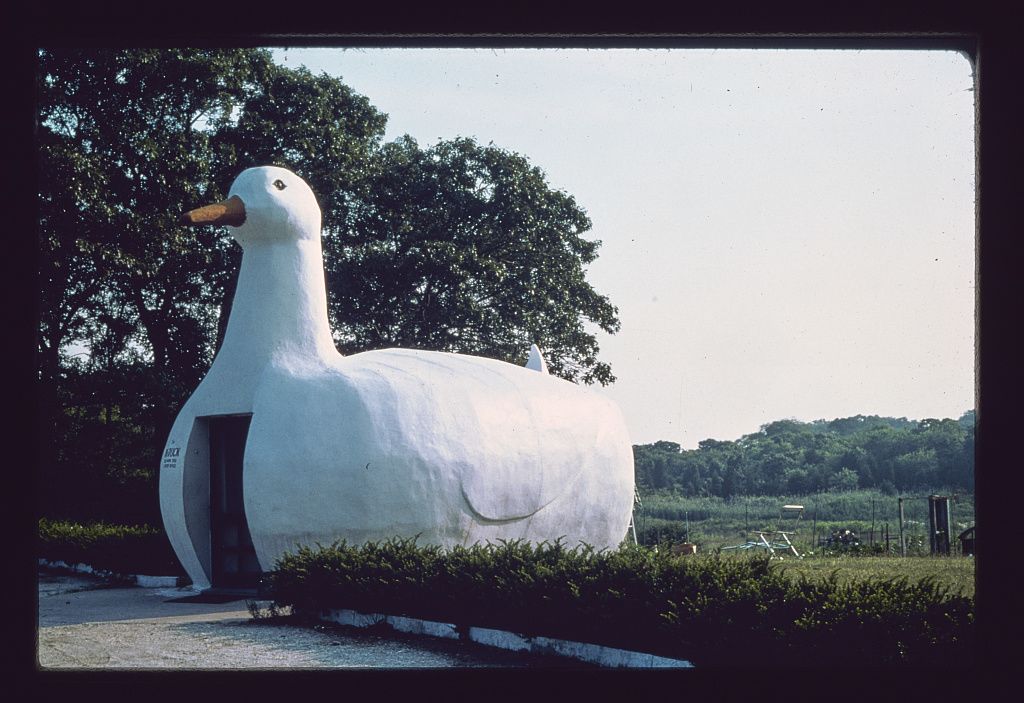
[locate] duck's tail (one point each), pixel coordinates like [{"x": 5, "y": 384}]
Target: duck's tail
[{"x": 536, "y": 361}]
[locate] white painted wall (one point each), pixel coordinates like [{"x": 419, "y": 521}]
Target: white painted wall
[{"x": 453, "y": 448}]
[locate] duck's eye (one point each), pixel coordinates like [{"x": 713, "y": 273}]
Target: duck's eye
[{"x": 279, "y": 184}]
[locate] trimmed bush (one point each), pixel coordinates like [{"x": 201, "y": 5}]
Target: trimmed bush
[
  {"x": 710, "y": 610},
  {"x": 135, "y": 549}
]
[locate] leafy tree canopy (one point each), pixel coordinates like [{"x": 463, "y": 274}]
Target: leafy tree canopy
[
  {"x": 462, "y": 247},
  {"x": 788, "y": 456},
  {"x": 457, "y": 247}
]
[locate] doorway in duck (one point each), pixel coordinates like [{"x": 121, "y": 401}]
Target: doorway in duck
[{"x": 233, "y": 555}]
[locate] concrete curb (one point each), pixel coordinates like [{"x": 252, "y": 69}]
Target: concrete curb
[
  {"x": 144, "y": 581},
  {"x": 141, "y": 580},
  {"x": 582, "y": 651}
]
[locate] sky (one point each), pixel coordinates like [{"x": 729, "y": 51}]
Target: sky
[{"x": 785, "y": 233}]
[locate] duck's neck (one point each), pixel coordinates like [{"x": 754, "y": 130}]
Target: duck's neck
[{"x": 280, "y": 306}]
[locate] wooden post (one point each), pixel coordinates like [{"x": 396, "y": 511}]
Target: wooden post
[
  {"x": 814, "y": 529},
  {"x": 903, "y": 541},
  {"x": 938, "y": 524},
  {"x": 746, "y": 515},
  {"x": 872, "y": 539},
  {"x": 886, "y": 539},
  {"x": 951, "y": 548}
]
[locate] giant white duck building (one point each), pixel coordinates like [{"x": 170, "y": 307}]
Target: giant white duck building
[{"x": 286, "y": 442}]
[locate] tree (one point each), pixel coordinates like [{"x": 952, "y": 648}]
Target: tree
[
  {"x": 861, "y": 463},
  {"x": 655, "y": 464},
  {"x": 667, "y": 447},
  {"x": 844, "y": 480},
  {"x": 968, "y": 420},
  {"x": 842, "y": 454},
  {"x": 458, "y": 247},
  {"x": 322, "y": 130},
  {"x": 946, "y": 439},
  {"x": 797, "y": 481},
  {"x": 780, "y": 428},
  {"x": 465, "y": 248},
  {"x": 965, "y": 467},
  {"x": 123, "y": 148},
  {"x": 732, "y": 480}
]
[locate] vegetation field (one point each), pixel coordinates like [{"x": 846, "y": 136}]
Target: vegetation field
[
  {"x": 954, "y": 573},
  {"x": 715, "y": 524}
]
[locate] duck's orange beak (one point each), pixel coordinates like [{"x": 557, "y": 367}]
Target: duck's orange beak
[{"x": 228, "y": 212}]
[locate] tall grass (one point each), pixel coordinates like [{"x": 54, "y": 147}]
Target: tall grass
[
  {"x": 720, "y": 521},
  {"x": 839, "y": 505}
]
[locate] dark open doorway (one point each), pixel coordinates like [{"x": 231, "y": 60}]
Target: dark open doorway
[{"x": 234, "y": 557}]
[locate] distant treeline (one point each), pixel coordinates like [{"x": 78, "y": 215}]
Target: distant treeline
[{"x": 791, "y": 457}]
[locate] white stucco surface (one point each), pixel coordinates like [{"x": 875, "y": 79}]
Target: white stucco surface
[
  {"x": 453, "y": 448},
  {"x": 502, "y": 639}
]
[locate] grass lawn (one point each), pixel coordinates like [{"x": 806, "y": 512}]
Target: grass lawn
[
  {"x": 714, "y": 523},
  {"x": 956, "y": 573}
]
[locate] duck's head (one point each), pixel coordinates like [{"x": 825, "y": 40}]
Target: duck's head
[{"x": 264, "y": 204}]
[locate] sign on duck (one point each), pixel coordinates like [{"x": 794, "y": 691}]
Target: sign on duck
[{"x": 451, "y": 448}]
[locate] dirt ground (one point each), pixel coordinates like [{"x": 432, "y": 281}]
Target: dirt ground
[{"x": 87, "y": 623}]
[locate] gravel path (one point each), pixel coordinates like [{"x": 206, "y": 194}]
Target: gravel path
[{"x": 86, "y": 623}]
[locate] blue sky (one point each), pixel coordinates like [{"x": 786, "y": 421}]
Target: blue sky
[{"x": 786, "y": 233}]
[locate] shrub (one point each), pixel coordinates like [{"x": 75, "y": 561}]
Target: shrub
[
  {"x": 705, "y": 608},
  {"x": 135, "y": 549}
]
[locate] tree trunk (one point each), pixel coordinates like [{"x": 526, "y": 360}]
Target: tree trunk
[
  {"x": 156, "y": 330},
  {"x": 47, "y": 409}
]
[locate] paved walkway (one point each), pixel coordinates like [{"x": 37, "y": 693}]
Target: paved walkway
[{"x": 87, "y": 623}]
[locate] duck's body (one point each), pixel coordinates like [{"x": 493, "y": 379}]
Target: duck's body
[
  {"x": 453, "y": 448},
  {"x": 456, "y": 449}
]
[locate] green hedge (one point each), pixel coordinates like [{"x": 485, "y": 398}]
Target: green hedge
[
  {"x": 710, "y": 610},
  {"x": 135, "y": 549}
]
